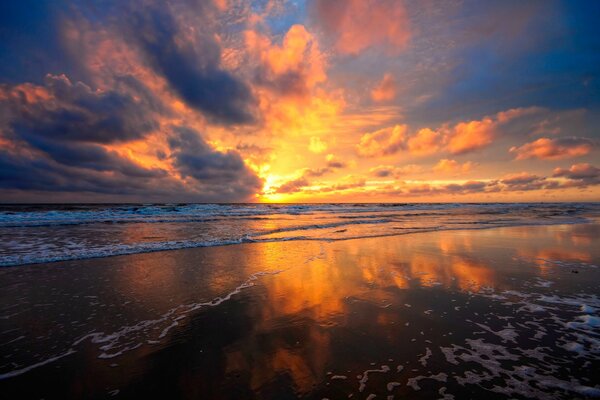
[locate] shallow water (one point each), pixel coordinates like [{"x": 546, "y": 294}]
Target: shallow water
[
  {"x": 43, "y": 233},
  {"x": 503, "y": 313}
]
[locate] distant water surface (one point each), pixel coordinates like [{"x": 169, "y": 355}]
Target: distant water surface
[{"x": 44, "y": 233}]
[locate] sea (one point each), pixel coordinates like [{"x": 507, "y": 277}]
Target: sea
[
  {"x": 42, "y": 233},
  {"x": 430, "y": 302}
]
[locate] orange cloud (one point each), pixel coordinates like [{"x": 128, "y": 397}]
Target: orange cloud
[
  {"x": 425, "y": 142},
  {"x": 298, "y": 109},
  {"x": 302, "y": 184},
  {"x": 452, "y": 166},
  {"x": 475, "y": 135},
  {"x": 346, "y": 183},
  {"x": 295, "y": 66},
  {"x": 357, "y": 25},
  {"x": 293, "y": 185},
  {"x": 514, "y": 113},
  {"x": 464, "y": 137},
  {"x": 384, "y": 90},
  {"x": 471, "y": 136},
  {"x": 383, "y": 142},
  {"x": 554, "y": 149}
]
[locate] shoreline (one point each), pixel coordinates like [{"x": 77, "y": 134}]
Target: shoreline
[{"x": 182, "y": 246}]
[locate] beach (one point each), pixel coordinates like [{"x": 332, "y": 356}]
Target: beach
[
  {"x": 299, "y": 199},
  {"x": 502, "y": 312}
]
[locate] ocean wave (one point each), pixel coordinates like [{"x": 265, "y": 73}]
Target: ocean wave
[
  {"x": 49, "y": 215},
  {"x": 39, "y": 256}
]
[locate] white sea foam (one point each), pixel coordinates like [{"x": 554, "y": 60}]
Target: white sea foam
[
  {"x": 414, "y": 382},
  {"x": 131, "y": 337},
  {"x": 423, "y": 360},
  {"x": 20, "y": 371},
  {"x": 364, "y": 377}
]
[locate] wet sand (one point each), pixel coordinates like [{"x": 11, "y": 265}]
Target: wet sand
[{"x": 502, "y": 313}]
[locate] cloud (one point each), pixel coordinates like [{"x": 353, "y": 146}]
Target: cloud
[
  {"x": 216, "y": 174},
  {"x": 82, "y": 169},
  {"x": 334, "y": 162},
  {"x": 467, "y": 187},
  {"x": 385, "y": 90},
  {"x": 523, "y": 181},
  {"x": 356, "y": 25},
  {"x": 69, "y": 124},
  {"x": 293, "y": 68},
  {"x": 384, "y": 171},
  {"x": 190, "y": 60},
  {"x": 383, "y": 142},
  {"x": 294, "y": 185},
  {"x": 452, "y": 166},
  {"x": 145, "y": 98},
  {"x": 348, "y": 182},
  {"x": 316, "y": 172},
  {"x": 19, "y": 172},
  {"x": 64, "y": 136},
  {"x": 582, "y": 174},
  {"x": 554, "y": 149},
  {"x": 471, "y": 136},
  {"x": 462, "y": 138},
  {"x": 425, "y": 142},
  {"x": 513, "y": 182},
  {"x": 66, "y": 111},
  {"x": 504, "y": 117},
  {"x": 303, "y": 180},
  {"x": 288, "y": 76}
]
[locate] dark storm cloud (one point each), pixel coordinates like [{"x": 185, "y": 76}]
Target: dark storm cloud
[
  {"x": 55, "y": 129},
  {"x": 58, "y": 133},
  {"x": 191, "y": 66},
  {"x": 34, "y": 44},
  {"x": 68, "y": 122},
  {"x": 220, "y": 174},
  {"x": 76, "y": 113},
  {"x": 45, "y": 174},
  {"x": 94, "y": 157}
]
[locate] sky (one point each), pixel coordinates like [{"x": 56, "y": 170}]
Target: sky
[{"x": 299, "y": 101}]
